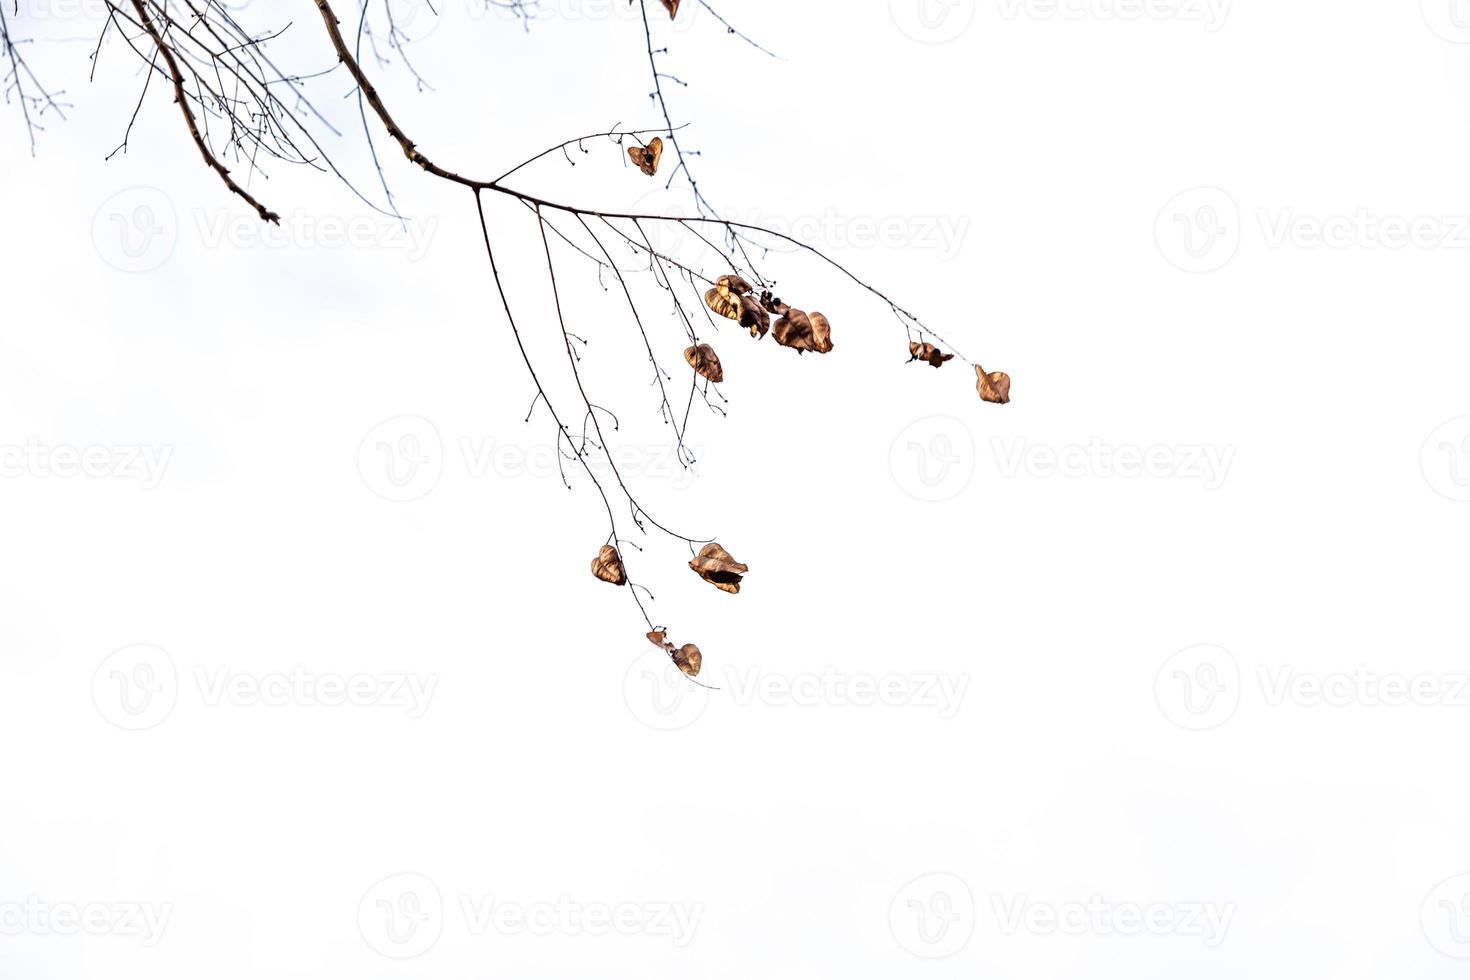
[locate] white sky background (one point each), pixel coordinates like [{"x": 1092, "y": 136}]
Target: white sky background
[{"x": 1076, "y": 759}]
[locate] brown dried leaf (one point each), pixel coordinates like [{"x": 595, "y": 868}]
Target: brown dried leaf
[
  {"x": 719, "y": 568},
  {"x": 994, "y": 387},
  {"x": 803, "y": 332},
  {"x": 754, "y": 316},
  {"x": 929, "y": 353},
  {"x": 688, "y": 659},
  {"x": 673, "y": 6},
  {"x": 646, "y": 158},
  {"x": 725, "y": 303},
  {"x": 705, "y": 362},
  {"x": 608, "y": 566},
  {"x": 733, "y": 284},
  {"x": 821, "y": 333}
]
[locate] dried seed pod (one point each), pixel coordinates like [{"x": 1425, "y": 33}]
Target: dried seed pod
[
  {"x": 725, "y": 303},
  {"x": 754, "y": 316},
  {"x": 995, "y": 387},
  {"x": 804, "y": 332},
  {"x": 673, "y": 7},
  {"x": 733, "y": 284},
  {"x": 705, "y": 362},
  {"x": 928, "y": 353},
  {"x": 608, "y": 566},
  {"x": 688, "y": 659},
  {"x": 646, "y": 158},
  {"x": 719, "y": 568},
  {"x": 821, "y": 333}
]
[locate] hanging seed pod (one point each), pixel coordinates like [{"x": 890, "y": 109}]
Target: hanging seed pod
[
  {"x": 706, "y": 362},
  {"x": 608, "y": 566}
]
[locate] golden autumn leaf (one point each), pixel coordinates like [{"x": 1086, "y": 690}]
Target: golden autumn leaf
[
  {"x": 995, "y": 387},
  {"x": 608, "y": 566},
  {"x": 803, "y": 332},
  {"x": 928, "y": 353},
  {"x": 646, "y": 158},
  {"x": 688, "y": 659},
  {"x": 673, "y": 8},
  {"x": 705, "y": 362},
  {"x": 660, "y": 639},
  {"x": 719, "y": 568}
]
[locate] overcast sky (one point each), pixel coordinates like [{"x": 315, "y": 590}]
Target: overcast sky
[{"x": 1157, "y": 671}]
